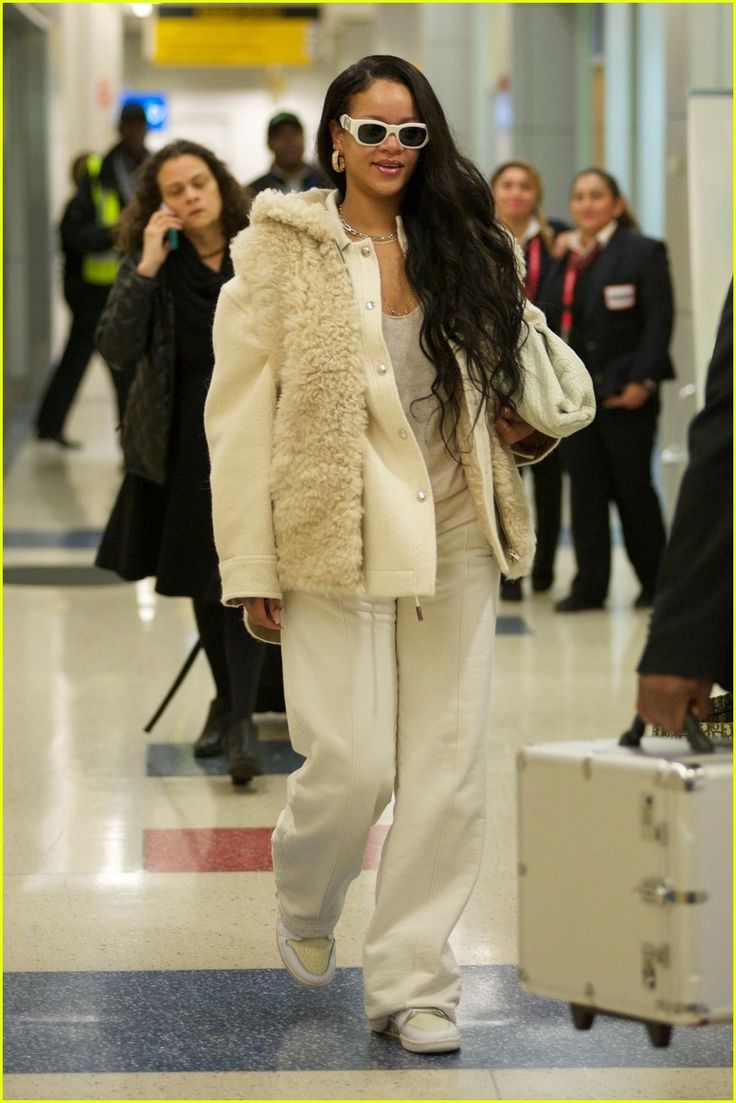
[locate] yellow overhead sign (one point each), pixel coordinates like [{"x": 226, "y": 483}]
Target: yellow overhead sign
[{"x": 232, "y": 36}]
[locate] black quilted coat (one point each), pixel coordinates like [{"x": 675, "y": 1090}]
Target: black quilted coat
[
  {"x": 137, "y": 332},
  {"x": 161, "y": 522}
]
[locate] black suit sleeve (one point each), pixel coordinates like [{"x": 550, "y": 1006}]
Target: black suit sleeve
[
  {"x": 656, "y": 309},
  {"x": 692, "y": 624}
]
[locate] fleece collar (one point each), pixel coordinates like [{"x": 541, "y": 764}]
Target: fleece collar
[{"x": 313, "y": 212}]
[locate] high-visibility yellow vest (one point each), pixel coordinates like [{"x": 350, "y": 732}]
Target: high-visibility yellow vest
[{"x": 101, "y": 268}]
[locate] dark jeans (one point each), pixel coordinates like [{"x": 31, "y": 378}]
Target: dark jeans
[
  {"x": 86, "y": 303},
  {"x": 611, "y": 461}
]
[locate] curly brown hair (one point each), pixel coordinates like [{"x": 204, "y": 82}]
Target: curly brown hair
[{"x": 147, "y": 198}]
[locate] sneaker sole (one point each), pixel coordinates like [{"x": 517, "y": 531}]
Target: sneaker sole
[{"x": 421, "y": 1047}]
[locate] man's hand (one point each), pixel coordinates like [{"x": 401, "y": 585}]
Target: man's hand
[{"x": 664, "y": 699}]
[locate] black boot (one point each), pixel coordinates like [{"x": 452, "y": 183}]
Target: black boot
[
  {"x": 243, "y": 762},
  {"x": 211, "y": 740}
]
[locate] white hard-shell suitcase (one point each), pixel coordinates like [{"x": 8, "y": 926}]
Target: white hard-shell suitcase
[{"x": 625, "y": 880}]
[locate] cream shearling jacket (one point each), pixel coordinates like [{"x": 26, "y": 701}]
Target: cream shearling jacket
[{"x": 318, "y": 483}]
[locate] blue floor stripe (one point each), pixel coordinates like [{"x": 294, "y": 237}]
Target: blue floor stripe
[
  {"x": 258, "y": 1020},
  {"x": 512, "y": 626},
  {"x": 52, "y": 538},
  {"x": 177, "y": 760}
]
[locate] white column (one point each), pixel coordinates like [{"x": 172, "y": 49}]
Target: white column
[
  {"x": 86, "y": 82},
  {"x": 651, "y": 110},
  {"x": 619, "y": 114},
  {"x": 454, "y": 60}
]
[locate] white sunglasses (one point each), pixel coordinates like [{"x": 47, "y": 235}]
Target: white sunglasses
[{"x": 371, "y": 132}]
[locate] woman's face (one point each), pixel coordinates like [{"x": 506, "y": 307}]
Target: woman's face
[
  {"x": 515, "y": 194},
  {"x": 592, "y": 204},
  {"x": 190, "y": 191},
  {"x": 381, "y": 171}
]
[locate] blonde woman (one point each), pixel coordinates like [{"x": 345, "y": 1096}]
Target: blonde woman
[{"x": 517, "y": 192}]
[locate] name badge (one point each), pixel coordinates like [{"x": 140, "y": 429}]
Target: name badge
[{"x": 620, "y": 296}]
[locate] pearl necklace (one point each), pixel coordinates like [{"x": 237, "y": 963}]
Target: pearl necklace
[{"x": 379, "y": 239}]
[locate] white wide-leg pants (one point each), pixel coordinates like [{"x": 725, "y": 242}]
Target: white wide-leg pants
[{"x": 382, "y": 703}]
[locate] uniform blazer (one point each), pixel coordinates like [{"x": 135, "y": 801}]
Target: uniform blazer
[
  {"x": 691, "y": 633},
  {"x": 623, "y": 326},
  {"x": 318, "y": 482}
]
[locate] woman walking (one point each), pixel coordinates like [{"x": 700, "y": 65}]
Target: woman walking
[{"x": 368, "y": 387}]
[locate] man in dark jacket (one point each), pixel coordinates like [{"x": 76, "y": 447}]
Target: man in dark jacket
[
  {"x": 690, "y": 646},
  {"x": 90, "y": 265},
  {"x": 289, "y": 171}
]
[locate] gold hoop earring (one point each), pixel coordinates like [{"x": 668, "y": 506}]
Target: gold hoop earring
[{"x": 338, "y": 161}]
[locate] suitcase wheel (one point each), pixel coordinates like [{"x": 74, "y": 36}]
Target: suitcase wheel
[
  {"x": 582, "y": 1017},
  {"x": 659, "y": 1034}
]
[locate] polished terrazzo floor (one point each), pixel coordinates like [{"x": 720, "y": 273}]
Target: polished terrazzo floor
[{"x": 140, "y": 955}]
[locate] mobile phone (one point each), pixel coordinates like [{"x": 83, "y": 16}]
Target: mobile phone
[{"x": 171, "y": 236}]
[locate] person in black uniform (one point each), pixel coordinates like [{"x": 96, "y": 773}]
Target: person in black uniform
[
  {"x": 690, "y": 645},
  {"x": 610, "y": 297},
  {"x": 175, "y": 236},
  {"x": 517, "y": 193},
  {"x": 289, "y": 171},
  {"x": 87, "y": 232}
]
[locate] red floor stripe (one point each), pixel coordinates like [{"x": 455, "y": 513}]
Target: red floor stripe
[{"x": 225, "y": 849}]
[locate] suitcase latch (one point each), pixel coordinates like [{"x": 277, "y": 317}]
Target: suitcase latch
[
  {"x": 660, "y": 892},
  {"x": 652, "y": 956},
  {"x": 650, "y": 829}
]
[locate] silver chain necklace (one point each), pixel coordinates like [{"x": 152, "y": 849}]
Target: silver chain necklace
[{"x": 379, "y": 239}]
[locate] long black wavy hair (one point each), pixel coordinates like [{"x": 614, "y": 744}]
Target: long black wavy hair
[
  {"x": 459, "y": 261},
  {"x": 147, "y": 198}
]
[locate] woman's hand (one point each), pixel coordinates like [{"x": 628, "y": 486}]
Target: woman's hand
[
  {"x": 155, "y": 246},
  {"x": 264, "y": 612},
  {"x": 562, "y": 243},
  {"x": 631, "y": 397},
  {"x": 510, "y": 427}
]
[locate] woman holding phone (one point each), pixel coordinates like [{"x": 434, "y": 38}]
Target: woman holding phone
[{"x": 158, "y": 320}]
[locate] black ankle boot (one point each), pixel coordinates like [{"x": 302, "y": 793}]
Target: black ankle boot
[
  {"x": 211, "y": 740},
  {"x": 243, "y": 762}
]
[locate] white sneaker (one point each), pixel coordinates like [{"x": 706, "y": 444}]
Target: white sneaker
[
  {"x": 311, "y": 961},
  {"x": 424, "y": 1030}
]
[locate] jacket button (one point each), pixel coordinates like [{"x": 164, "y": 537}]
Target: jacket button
[
  {"x": 421, "y": 496},
  {"x": 403, "y": 434},
  {"x": 382, "y": 369},
  {"x": 370, "y": 305},
  {"x": 366, "y": 250}
]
